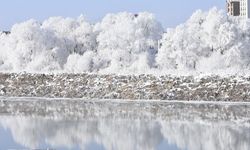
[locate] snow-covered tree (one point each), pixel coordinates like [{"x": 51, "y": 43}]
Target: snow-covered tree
[
  {"x": 208, "y": 41},
  {"x": 126, "y": 38},
  {"x": 29, "y": 47},
  {"x": 126, "y": 42},
  {"x": 34, "y": 46},
  {"x": 77, "y": 33}
]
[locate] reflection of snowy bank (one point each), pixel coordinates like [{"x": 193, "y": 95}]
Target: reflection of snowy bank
[
  {"x": 123, "y": 134},
  {"x": 146, "y": 110},
  {"x": 209, "y": 88}
]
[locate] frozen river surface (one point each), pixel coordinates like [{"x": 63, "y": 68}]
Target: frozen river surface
[{"x": 27, "y": 123}]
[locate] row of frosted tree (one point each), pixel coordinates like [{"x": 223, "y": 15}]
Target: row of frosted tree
[{"x": 128, "y": 43}]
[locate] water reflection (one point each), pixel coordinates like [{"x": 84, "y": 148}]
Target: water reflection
[{"x": 124, "y": 133}]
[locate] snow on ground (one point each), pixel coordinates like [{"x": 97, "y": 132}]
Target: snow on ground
[
  {"x": 126, "y": 43},
  {"x": 209, "y": 88}
]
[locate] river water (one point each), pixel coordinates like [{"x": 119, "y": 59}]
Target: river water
[{"x": 37, "y": 123}]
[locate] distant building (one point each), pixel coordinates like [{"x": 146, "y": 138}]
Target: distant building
[
  {"x": 239, "y": 8},
  {"x": 233, "y": 8},
  {"x": 5, "y": 32}
]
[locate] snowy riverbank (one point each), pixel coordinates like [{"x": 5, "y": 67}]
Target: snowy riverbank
[{"x": 210, "y": 88}]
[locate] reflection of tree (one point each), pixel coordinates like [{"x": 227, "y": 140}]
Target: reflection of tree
[
  {"x": 112, "y": 134},
  {"x": 206, "y": 136},
  {"x": 124, "y": 134}
]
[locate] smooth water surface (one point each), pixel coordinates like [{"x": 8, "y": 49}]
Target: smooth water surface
[{"x": 110, "y": 125}]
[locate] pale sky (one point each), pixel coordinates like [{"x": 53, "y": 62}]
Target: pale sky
[{"x": 169, "y": 13}]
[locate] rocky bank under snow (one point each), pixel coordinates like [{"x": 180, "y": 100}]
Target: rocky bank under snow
[{"x": 210, "y": 88}]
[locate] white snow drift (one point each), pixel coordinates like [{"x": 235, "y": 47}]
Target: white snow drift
[{"x": 128, "y": 43}]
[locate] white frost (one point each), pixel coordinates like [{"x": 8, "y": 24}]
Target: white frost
[{"x": 208, "y": 42}]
